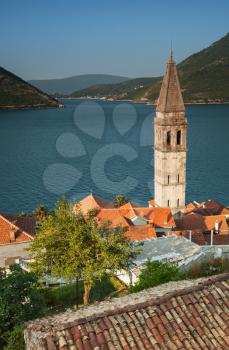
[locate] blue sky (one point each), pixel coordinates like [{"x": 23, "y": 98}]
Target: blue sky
[{"x": 59, "y": 38}]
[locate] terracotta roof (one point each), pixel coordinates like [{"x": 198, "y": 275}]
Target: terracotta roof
[
  {"x": 207, "y": 208},
  {"x": 25, "y": 223},
  {"x": 194, "y": 221},
  {"x": 170, "y": 98},
  {"x": 162, "y": 217},
  {"x": 181, "y": 315},
  {"x": 137, "y": 233},
  {"x": 7, "y": 226},
  {"x": 93, "y": 202},
  {"x": 113, "y": 216},
  {"x": 202, "y": 238},
  {"x": 152, "y": 203}
]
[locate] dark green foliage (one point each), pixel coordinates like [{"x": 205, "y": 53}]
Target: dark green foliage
[
  {"x": 208, "y": 267},
  {"x": 58, "y": 298},
  {"x": 15, "y": 339},
  {"x": 119, "y": 200},
  {"x": 20, "y": 301},
  {"x": 155, "y": 273},
  {"x": 16, "y": 93}
]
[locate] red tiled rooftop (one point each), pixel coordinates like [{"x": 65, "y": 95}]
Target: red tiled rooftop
[
  {"x": 137, "y": 233},
  {"x": 113, "y": 216},
  {"x": 207, "y": 208},
  {"x": 93, "y": 202},
  {"x": 181, "y": 315},
  {"x": 6, "y": 226},
  {"x": 194, "y": 221}
]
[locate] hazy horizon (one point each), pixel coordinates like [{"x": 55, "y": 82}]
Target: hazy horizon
[{"x": 44, "y": 40}]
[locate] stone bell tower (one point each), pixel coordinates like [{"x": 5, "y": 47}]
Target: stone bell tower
[{"x": 170, "y": 126}]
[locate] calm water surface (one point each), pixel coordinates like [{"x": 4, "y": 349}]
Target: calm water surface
[{"x": 62, "y": 151}]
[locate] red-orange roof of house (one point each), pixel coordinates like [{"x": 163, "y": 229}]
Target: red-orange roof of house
[
  {"x": 6, "y": 226},
  {"x": 93, "y": 202},
  {"x": 194, "y": 221},
  {"x": 137, "y": 233},
  {"x": 113, "y": 216}
]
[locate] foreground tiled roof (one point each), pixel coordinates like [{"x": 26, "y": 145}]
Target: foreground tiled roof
[
  {"x": 9, "y": 223},
  {"x": 178, "y": 315}
]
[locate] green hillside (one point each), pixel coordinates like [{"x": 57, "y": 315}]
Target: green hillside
[
  {"x": 120, "y": 90},
  {"x": 15, "y": 93},
  {"x": 79, "y": 82},
  {"x": 204, "y": 77}
]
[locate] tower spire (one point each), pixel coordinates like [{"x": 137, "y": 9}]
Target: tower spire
[
  {"x": 171, "y": 51},
  {"x": 170, "y": 98}
]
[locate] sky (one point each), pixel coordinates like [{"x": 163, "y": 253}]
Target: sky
[{"x": 46, "y": 39}]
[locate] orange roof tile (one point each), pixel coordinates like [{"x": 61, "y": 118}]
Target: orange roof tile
[
  {"x": 137, "y": 233},
  {"x": 113, "y": 216},
  {"x": 194, "y": 221},
  {"x": 93, "y": 202},
  {"x": 152, "y": 203},
  {"x": 5, "y": 228}
]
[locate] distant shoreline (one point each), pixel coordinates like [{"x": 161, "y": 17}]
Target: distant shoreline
[{"x": 141, "y": 102}]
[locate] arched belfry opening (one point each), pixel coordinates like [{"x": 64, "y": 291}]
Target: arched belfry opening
[{"x": 178, "y": 137}]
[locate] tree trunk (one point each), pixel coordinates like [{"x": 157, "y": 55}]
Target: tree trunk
[{"x": 87, "y": 292}]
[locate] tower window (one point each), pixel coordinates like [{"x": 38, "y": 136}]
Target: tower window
[
  {"x": 178, "y": 178},
  {"x": 168, "y": 179},
  {"x": 178, "y": 137},
  {"x": 168, "y": 137},
  {"x": 168, "y": 203},
  {"x": 178, "y": 203}
]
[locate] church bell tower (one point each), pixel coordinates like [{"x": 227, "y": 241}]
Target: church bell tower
[{"x": 170, "y": 125}]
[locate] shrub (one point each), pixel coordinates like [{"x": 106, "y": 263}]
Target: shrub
[
  {"x": 15, "y": 339},
  {"x": 209, "y": 267},
  {"x": 155, "y": 273}
]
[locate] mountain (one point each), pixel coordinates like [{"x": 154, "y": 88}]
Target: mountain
[
  {"x": 79, "y": 82},
  {"x": 15, "y": 93},
  {"x": 204, "y": 77},
  {"x": 120, "y": 90}
]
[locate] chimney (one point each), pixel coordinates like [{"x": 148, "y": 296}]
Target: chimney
[{"x": 13, "y": 231}]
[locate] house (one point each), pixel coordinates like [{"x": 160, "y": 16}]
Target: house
[
  {"x": 189, "y": 314},
  {"x": 205, "y": 223},
  {"x": 16, "y": 234}
]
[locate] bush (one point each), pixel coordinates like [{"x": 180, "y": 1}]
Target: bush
[
  {"x": 208, "y": 267},
  {"x": 20, "y": 301},
  {"x": 155, "y": 273},
  {"x": 15, "y": 339},
  {"x": 59, "y": 298}
]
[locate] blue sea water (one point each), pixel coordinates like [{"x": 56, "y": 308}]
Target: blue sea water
[{"x": 104, "y": 147}]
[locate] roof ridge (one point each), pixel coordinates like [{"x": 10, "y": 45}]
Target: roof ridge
[
  {"x": 129, "y": 307},
  {"x": 15, "y": 226}
]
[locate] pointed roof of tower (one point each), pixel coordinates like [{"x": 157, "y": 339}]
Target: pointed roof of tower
[{"x": 170, "y": 98}]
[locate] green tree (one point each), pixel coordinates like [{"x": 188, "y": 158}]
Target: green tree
[
  {"x": 40, "y": 212},
  {"x": 119, "y": 200},
  {"x": 71, "y": 246},
  {"x": 19, "y": 299},
  {"x": 155, "y": 273}
]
